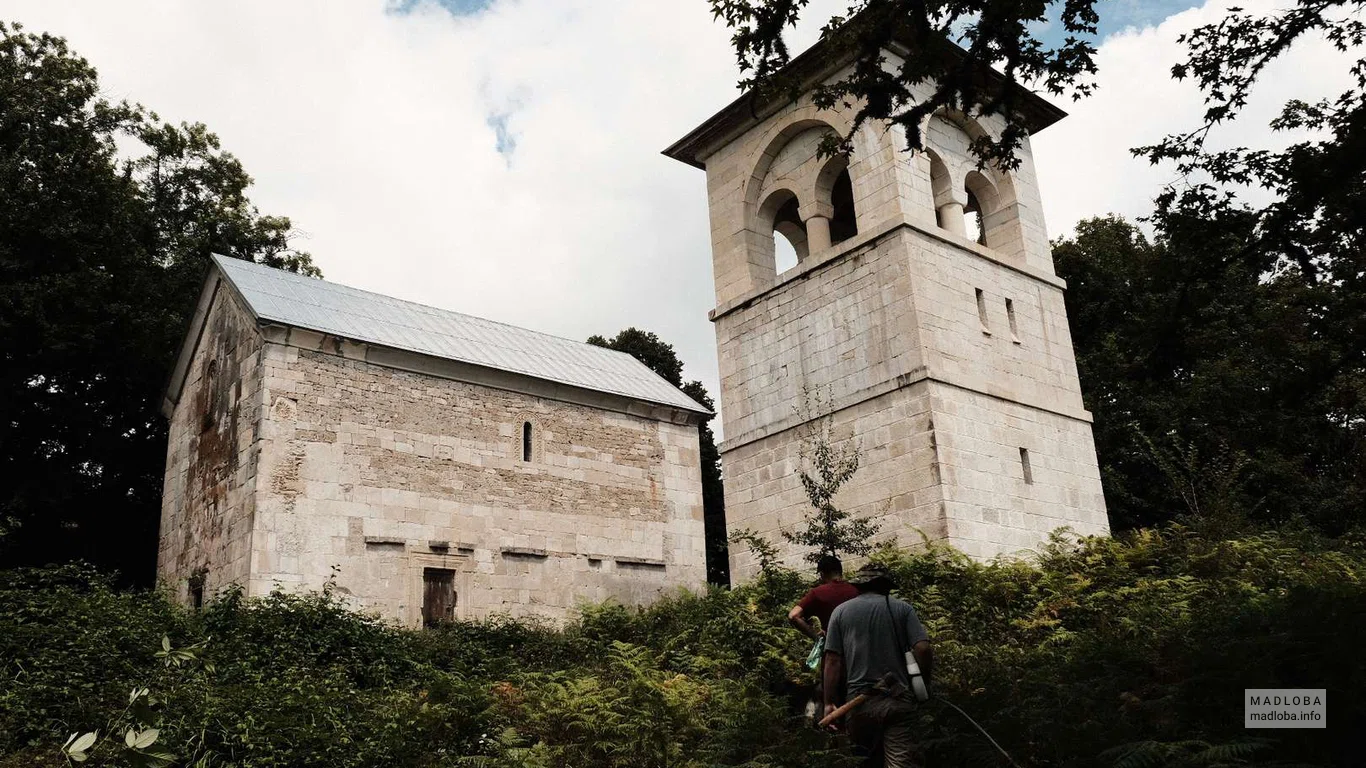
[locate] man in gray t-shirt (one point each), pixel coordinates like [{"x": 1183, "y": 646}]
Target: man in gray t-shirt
[{"x": 866, "y": 640}]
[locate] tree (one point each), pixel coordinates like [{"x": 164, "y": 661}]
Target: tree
[
  {"x": 825, "y": 468},
  {"x": 107, "y": 218},
  {"x": 991, "y": 33},
  {"x": 660, "y": 357},
  {"x": 1206, "y": 368},
  {"x": 1254, "y": 322},
  {"x": 1311, "y": 237}
]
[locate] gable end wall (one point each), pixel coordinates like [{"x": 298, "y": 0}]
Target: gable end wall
[{"x": 208, "y": 492}]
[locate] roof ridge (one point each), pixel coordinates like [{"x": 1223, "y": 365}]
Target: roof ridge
[
  {"x": 463, "y": 332},
  {"x": 368, "y": 292}
]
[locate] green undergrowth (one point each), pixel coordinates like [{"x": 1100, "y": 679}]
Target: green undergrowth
[{"x": 1132, "y": 651}]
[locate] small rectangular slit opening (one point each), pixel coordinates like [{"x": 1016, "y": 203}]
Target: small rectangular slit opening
[
  {"x": 1024, "y": 464},
  {"x": 1010, "y": 315},
  {"x": 982, "y": 311}
]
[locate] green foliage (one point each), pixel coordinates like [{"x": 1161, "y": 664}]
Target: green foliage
[
  {"x": 598, "y": 717},
  {"x": 764, "y": 552},
  {"x": 826, "y": 465},
  {"x": 1151, "y": 637},
  {"x": 1157, "y": 754},
  {"x": 1131, "y": 651},
  {"x": 1225, "y": 359},
  {"x": 1216, "y": 381},
  {"x": 107, "y": 219},
  {"x": 139, "y": 722}
]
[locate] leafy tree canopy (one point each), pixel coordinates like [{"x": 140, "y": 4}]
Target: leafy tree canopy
[
  {"x": 1216, "y": 383},
  {"x": 107, "y": 218},
  {"x": 1226, "y": 357}
]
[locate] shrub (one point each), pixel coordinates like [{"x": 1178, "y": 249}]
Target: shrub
[{"x": 1109, "y": 652}]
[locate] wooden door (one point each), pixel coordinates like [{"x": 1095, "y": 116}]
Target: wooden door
[{"x": 438, "y": 596}]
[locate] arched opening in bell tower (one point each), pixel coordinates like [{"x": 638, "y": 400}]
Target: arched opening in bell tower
[
  {"x": 941, "y": 191},
  {"x": 844, "y": 225},
  {"x": 982, "y": 210},
  {"x": 976, "y": 203},
  {"x": 835, "y": 188},
  {"x": 780, "y": 217},
  {"x": 972, "y": 220}
]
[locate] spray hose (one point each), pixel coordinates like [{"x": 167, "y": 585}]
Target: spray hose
[
  {"x": 857, "y": 700},
  {"x": 979, "y": 727}
]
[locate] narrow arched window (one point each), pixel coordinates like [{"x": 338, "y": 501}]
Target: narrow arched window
[
  {"x": 844, "y": 225},
  {"x": 526, "y": 441},
  {"x": 983, "y": 210},
  {"x": 973, "y": 224},
  {"x": 790, "y": 245}
]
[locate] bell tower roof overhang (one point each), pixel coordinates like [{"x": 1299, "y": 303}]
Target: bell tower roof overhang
[{"x": 816, "y": 64}]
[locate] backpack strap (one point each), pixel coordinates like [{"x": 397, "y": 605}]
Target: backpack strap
[{"x": 896, "y": 626}]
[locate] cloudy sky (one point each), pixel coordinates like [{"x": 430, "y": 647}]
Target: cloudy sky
[{"x": 501, "y": 157}]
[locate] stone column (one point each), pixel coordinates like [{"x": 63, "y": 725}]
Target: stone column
[
  {"x": 950, "y": 216},
  {"x": 817, "y": 234},
  {"x": 816, "y": 217}
]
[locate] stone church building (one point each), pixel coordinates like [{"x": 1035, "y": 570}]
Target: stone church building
[
  {"x": 923, "y": 308},
  {"x": 432, "y": 465},
  {"x": 438, "y": 465}
]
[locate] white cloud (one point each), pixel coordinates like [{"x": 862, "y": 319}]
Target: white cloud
[
  {"x": 1084, "y": 165},
  {"x": 372, "y": 131}
]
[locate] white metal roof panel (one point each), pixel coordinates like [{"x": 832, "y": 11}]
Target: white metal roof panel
[{"x": 317, "y": 305}]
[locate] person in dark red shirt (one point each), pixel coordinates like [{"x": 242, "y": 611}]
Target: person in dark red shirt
[{"x": 820, "y": 602}]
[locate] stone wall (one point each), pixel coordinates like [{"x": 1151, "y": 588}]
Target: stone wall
[
  {"x": 844, "y": 327},
  {"x": 897, "y": 484},
  {"x": 974, "y": 342},
  {"x": 991, "y": 506},
  {"x": 208, "y": 493},
  {"x": 372, "y": 474}
]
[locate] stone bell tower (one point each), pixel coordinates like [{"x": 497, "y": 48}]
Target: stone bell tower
[{"x": 923, "y": 307}]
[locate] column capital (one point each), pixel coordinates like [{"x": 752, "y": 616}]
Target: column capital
[{"x": 821, "y": 209}]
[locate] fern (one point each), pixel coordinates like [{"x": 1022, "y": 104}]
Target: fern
[{"x": 1192, "y": 753}]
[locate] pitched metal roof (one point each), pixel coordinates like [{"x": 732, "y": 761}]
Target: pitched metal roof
[{"x": 306, "y": 302}]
